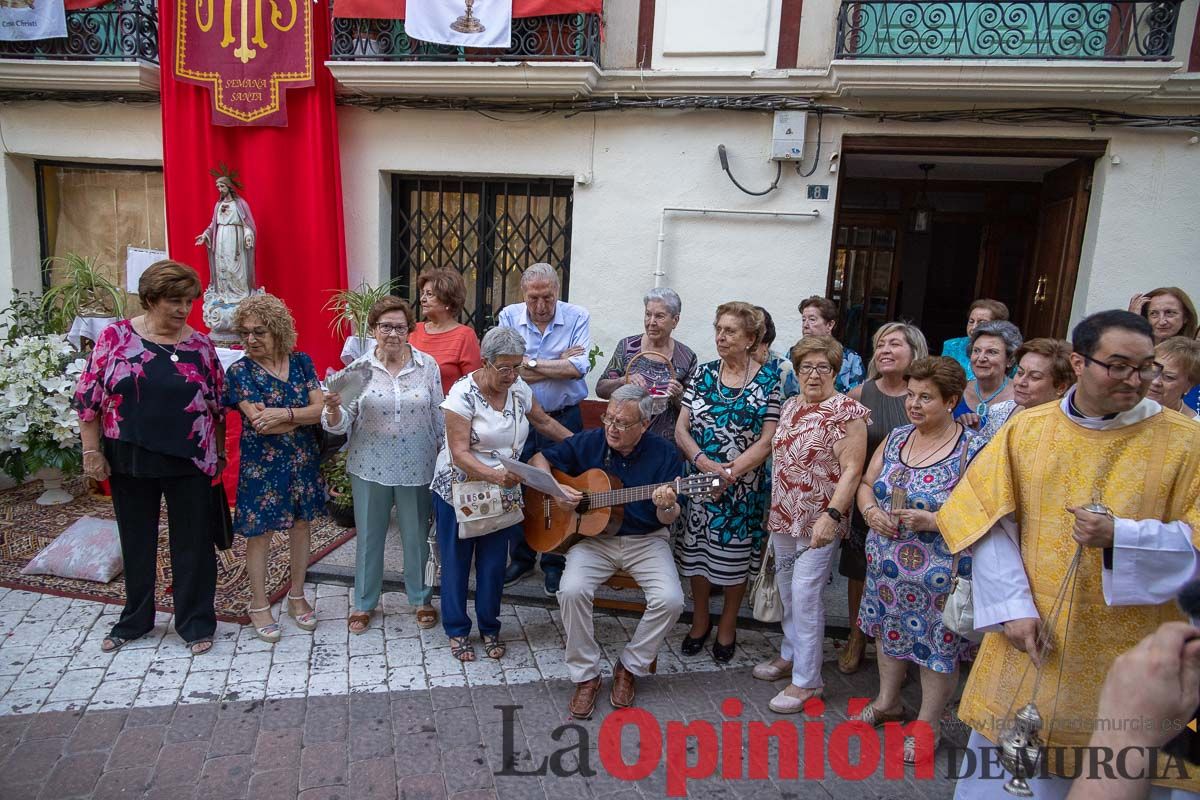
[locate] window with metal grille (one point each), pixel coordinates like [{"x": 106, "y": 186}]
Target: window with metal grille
[{"x": 489, "y": 230}]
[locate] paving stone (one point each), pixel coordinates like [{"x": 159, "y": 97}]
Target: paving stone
[
  {"x": 53, "y": 724},
  {"x": 325, "y": 793},
  {"x": 428, "y": 786},
  {"x": 179, "y": 764},
  {"x": 275, "y": 784},
  {"x": 282, "y": 714},
  {"x": 234, "y": 735},
  {"x": 121, "y": 784},
  {"x": 31, "y": 760},
  {"x": 373, "y": 779},
  {"x": 192, "y": 722},
  {"x": 137, "y": 747},
  {"x": 278, "y": 750},
  {"x": 323, "y": 764},
  {"x": 226, "y": 776},
  {"x": 74, "y": 776}
]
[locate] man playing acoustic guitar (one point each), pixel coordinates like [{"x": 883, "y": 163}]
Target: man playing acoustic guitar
[{"x": 641, "y": 546}]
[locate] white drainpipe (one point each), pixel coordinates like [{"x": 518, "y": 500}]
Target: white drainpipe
[{"x": 662, "y": 226}]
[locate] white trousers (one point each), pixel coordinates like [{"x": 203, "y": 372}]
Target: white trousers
[
  {"x": 648, "y": 558},
  {"x": 977, "y": 787},
  {"x": 800, "y": 588}
]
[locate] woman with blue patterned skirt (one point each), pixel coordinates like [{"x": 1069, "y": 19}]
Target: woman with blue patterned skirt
[
  {"x": 909, "y": 567},
  {"x": 726, "y": 421}
]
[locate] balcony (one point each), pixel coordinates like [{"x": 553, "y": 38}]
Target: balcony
[
  {"x": 563, "y": 37},
  {"x": 551, "y": 56},
  {"x": 1081, "y": 30},
  {"x": 113, "y": 48}
]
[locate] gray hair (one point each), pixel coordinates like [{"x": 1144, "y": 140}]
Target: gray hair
[
  {"x": 501, "y": 341},
  {"x": 667, "y": 297},
  {"x": 540, "y": 271},
  {"x": 633, "y": 393},
  {"x": 1002, "y": 329}
]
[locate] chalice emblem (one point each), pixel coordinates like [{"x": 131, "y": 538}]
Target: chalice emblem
[{"x": 468, "y": 22}]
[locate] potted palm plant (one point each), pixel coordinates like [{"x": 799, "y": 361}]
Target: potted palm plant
[
  {"x": 351, "y": 307},
  {"x": 82, "y": 291}
]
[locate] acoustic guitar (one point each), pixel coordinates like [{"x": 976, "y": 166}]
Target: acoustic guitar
[{"x": 550, "y": 529}]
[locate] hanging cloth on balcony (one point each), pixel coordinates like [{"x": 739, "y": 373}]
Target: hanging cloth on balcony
[
  {"x": 485, "y": 23},
  {"x": 26, "y": 20},
  {"x": 395, "y": 9},
  {"x": 79, "y": 5}
]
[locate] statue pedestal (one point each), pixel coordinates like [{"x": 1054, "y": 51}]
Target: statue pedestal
[{"x": 218, "y": 316}]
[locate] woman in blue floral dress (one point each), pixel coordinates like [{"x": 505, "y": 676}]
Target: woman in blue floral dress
[
  {"x": 726, "y": 421},
  {"x": 909, "y": 568},
  {"x": 279, "y": 487}
]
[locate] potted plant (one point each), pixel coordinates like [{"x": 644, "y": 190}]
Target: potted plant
[
  {"x": 340, "y": 505},
  {"x": 83, "y": 292},
  {"x": 39, "y": 431},
  {"x": 351, "y": 308}
]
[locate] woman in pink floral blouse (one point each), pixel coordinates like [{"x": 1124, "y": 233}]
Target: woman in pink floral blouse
[{"x": 151, "y": 421}]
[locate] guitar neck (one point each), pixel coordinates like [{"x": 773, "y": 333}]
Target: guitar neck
[{"x": 617, "y": 497}]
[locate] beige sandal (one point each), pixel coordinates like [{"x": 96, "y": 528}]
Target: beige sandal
[
  {"x": 305, "y": 620},
  {"x": 359, "y": 622},
  {"x": 427, "y": 617}
]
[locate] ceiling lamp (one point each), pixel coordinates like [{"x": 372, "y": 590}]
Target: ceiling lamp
[{"x": 921, "y": 219}]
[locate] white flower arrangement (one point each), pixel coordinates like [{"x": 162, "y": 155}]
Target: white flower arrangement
[{"x": 38, "y": 427}]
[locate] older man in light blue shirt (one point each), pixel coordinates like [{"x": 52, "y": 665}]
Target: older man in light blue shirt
[{"x": 557, "y": 338}]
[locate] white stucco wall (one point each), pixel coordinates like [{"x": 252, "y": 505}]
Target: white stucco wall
[{"x": 1141, "y": 231}]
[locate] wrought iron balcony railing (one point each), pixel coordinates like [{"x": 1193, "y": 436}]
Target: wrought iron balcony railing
[
  {"x": 123, "y": 30},
  {"x": 1091, "y": 30},
  {"x": 561, "y": 37}
]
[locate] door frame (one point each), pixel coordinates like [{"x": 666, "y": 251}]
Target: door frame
[{"x": 981, "y": 146}]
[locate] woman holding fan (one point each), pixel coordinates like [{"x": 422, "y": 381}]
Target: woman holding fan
[{"x": 654, "y": 360}]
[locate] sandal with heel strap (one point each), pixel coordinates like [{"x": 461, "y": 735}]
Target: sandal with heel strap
[
  {"x": 460, "y": 648},
  {"x": 306, "y": 621},
  {"x": 493, "y": 647},
  {"x": 271, "y": 633}
]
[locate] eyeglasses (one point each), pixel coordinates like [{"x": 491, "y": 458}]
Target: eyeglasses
[
  {"x": 1120, "y": 372},
  {"x": 506, "y": 372},
  {"x": 257, "y": 333},
  {"x": 616, "y": 424},
  {"x": 820, "y": 369},
  {"x": 387, "y": 330}
]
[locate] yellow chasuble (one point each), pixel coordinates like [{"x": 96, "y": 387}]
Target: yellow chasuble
[{"x": 1038, "y": 464}]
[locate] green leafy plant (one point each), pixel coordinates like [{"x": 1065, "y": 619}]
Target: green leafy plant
[
  {"x": 593, "y": 354},
  {"x": 351, "y": 307},
  {"x": 84, "y": 292},
  {"x": 23, "y": 317},
  {"x": 38, "y": 427},
  {"x": 337, "y": 480}
]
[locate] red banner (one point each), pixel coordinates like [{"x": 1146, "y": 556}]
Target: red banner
[
  {"x": 248, "y": 52},
  {"x": 291, "y": 179},
  {"x": 395, "y": 9}
]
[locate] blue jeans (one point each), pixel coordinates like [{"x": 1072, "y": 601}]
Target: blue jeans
[
  {"x": 570, "y": 418},
  {"x": 488, "y": 553}
]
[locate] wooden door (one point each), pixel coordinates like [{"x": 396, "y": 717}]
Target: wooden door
[
  {"x": 862, "y": 281},
  {"x": 1048, "y": 290}
]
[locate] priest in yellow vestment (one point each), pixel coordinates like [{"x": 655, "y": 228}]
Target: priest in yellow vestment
[{"x": 1020, "y": 510}]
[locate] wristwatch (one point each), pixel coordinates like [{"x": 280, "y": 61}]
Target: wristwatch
[
  {"x": 531, "y": 363},
  {"x": 833, "y": 512}
]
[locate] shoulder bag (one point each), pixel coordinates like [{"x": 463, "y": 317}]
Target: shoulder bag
[
  {"x": 765, "y": 603},
  {"x": 482, "y": 507},
  {"x": 958, "y": 615}
]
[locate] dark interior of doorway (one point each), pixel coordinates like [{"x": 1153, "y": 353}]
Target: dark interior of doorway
[{"x": 980, "y": 240}]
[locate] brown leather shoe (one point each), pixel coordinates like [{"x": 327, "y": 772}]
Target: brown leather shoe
[
  {"x": 583, "y": 702},
  {"x": 623, "y": 689}
]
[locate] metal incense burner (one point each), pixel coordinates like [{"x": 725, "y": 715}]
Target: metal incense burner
[{"x": 1021, "y": 750}]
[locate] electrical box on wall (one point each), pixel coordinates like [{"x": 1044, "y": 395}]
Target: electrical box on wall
[{"x": 787, "y": 135}]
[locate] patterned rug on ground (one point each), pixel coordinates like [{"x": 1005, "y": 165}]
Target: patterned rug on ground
[{"x": 26, "y": 527}]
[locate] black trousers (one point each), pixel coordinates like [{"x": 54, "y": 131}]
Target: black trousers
[{"x": 137, "y": 503}]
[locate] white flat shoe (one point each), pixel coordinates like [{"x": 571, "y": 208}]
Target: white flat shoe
[
  {"x": 768, "y": 671},
  {"x": 784, "y": 703}
]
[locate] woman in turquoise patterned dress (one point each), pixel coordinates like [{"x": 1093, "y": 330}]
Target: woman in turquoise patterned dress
[
  {"x": 726, "y": 421},
  {"x": 279, "y": 487},
  {"x": 909, "y": 567}
]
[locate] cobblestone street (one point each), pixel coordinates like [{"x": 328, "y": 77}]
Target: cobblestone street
[{"x": 384, "y": 715}]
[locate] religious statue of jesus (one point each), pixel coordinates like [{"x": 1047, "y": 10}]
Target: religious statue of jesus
[{"x": 230, "y": 240}]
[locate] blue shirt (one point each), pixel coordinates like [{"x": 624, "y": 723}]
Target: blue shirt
[
  {"x": 653, "y": 460},
  {"x": 852, "y": 373},
  {"x": 569, "y": 327},
  {"x": 1192, "y": 399},
  {"x": 957, "y": 349}
]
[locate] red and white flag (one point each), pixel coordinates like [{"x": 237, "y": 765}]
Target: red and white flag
[{"x": 463, "y": 23}]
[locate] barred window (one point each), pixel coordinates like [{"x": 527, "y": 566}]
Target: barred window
[{"x": 489, "y": 230}]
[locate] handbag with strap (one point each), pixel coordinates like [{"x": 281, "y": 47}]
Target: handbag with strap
[
  {"x": 765, "y": 602},
  {"x": 958, "y": 615},
  {"x": 482, "y": 507}
]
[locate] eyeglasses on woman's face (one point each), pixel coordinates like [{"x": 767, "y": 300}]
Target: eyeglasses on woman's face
[
  {"x": 252, "y": 333},
  {"x": 820, "y": 369},
  {"x": 387, "y": 329},
  {"x": 505, "y": 372}
]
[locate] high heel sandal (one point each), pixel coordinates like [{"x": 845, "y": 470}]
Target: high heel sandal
[
  {"x": 306, "y": 621},
  {"x": 268, "y": 633}
]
